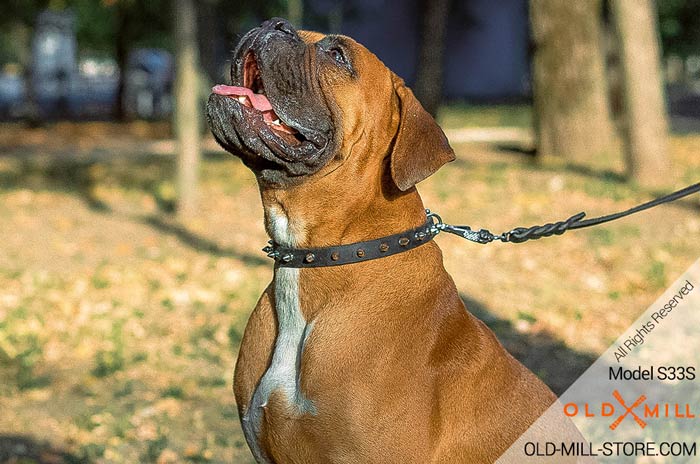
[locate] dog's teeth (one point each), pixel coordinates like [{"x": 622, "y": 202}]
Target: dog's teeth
[
  {"x": 242, "y": 99},
  {"x": 276, "y": 122}
]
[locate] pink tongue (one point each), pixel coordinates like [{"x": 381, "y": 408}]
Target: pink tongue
[{"x": 259, "y": 102}]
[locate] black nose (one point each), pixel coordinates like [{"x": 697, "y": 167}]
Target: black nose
[{"x": 279, "y": 24}]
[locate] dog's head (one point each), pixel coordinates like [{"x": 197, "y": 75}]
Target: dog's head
[{"x": 302, "y": 104}]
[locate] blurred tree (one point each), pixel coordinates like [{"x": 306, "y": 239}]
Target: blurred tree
[
  {"x": 646, "y": 126},
  {"x": 295, "y": 13},
  {"x": 122, "y": 39},
  {"x": 133, "y": 24},
  {"x": 429, "y": 72},
  {"x": 572, "y": 117},
  {"x": 187, "y": 110},
  {"x": 211, "y": 31}
]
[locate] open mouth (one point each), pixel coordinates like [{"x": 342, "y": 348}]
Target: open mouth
[
  {"x": 252, "y": 96},
  {"x": 272, "y": 120}
]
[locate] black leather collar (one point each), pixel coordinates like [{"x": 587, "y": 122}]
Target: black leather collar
[{"x": 354, "y": 252}]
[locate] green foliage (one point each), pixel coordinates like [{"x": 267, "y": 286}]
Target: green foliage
[
  {"x": 173, "y": 391},
  {"x": 21, "y": 351},
  {"x": 656, "y": 275},
  {"x": 94, "y": 23},
  {"x": 89, "y": 453},
  {"x": 109, "y": 361},
  {"x": 601, "y": 237},
  {"x": 527, "y": 317},
  {"x": 99, "y": 282},
  {"x": 154, "y": 448},
  {"x": 679, "y": 25},
  {"x": 125, "y": 389},
  {"x": 165, "y": 196},
  {"x": 143, "y": 24},
  {"x": 234, "y": 336}
]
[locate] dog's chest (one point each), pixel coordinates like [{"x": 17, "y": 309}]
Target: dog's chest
[{"x": 282, "y": 376}]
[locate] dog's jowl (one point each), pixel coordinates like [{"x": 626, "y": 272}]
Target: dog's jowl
[{"x": 369, "y": 362}]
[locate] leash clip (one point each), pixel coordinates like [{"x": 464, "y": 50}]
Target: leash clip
[
  {"x": 482, "y": 236},
  {"x": 435, "y": 218}
]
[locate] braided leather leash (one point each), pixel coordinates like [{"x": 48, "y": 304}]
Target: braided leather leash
[{"x": 523, "y": 234}]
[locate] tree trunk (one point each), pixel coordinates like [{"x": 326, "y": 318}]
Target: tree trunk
[
  {"x": 295, "y": 13},
  {"x": 572, "y": 117},
  {"x": 122, "y": 52},
  {"x": 187, "y": 111},
  {"x": 429, "y": 75},
  {"x": 646, "y": 126}
]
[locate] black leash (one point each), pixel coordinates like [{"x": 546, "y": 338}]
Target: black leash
[{"x": 523, "y": 234}]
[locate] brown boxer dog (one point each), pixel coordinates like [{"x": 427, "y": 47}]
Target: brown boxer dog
[{"x": 376, "y": 361}]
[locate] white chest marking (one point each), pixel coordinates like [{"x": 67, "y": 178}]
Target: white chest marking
[{"x": 283, "y": 373}]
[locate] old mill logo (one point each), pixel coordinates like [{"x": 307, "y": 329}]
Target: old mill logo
[{"x": 638, "y": 411}]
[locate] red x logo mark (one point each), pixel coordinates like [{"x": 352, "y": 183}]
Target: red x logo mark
[{"x": 628, "y": 410}]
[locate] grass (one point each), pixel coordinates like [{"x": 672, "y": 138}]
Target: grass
[
  {"x": 119, "y": 327},
  {"x": 464, "y": 115}
]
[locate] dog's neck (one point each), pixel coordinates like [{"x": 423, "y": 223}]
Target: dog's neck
[{"x": 294, "y": 219}]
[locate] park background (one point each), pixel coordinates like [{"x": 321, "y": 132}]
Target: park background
[{"x": 130, "y": 243}]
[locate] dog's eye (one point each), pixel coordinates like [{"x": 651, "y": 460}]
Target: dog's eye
[{"x": 337, "y": 55}]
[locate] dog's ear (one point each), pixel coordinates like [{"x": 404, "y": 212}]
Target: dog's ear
[{"x": 420, "y": 147}]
